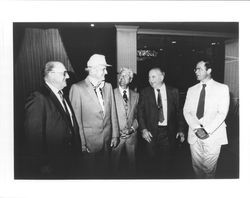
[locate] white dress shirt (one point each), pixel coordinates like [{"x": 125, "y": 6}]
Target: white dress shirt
[
  {"x": 208, "y": 84},
  {"x": 55, "y": 91}
]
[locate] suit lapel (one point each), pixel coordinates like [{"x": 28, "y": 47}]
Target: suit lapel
[
  {"x": 169, "y": 101},
  {"x": 152, "y": 97},
  {"x": 120, "y": 101},
  {"x": 92, "y": 93},
  {"x": 131, "y": 101},
  {"x": 58, "y": 105},
  {"x": 105, "y": 93}
]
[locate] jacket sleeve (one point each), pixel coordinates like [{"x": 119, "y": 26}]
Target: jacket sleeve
[
  {"x": 221, "y": 112},
  {"x": 75, "y": 99},
  {"x": 135, "y": 121},
  {"x": 35, "y": 126},
  {"x": 179, "y": 113},
  {"x": 141, "y": 111},
  {"x": 114, "y": 119}
]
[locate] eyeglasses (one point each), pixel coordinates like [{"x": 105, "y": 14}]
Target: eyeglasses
[
  {"x": 65, "y": 73},
  {"x": 197, "y": 69}
]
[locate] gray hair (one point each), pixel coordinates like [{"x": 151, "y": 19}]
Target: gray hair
[
  {"x": 49, "y": 66},
  {"x": 127, "y": 71}
]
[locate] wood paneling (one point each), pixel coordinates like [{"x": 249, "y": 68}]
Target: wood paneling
[{"x": 38, "y": 47}]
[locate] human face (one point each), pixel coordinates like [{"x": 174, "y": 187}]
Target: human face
[
  {"x": 99, "y": 73},
  {"x": 58, "y": 76},
  {"x": 202, "y": 73},
  {"x": 155, "y": 78},
  {"x": 124, "y": 79}
]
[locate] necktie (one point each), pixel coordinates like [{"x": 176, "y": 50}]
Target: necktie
[
  {"x": 99, "y": 94},
  {"x": 65, "y": 106},
  {"x": 200, "y": 108},
  {"x": 125, "y": 97},
  {"x": 159, "y": 105}
]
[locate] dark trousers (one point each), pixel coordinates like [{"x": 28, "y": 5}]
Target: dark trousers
[
  {"x": 159, "y": 154},
  {"x": 95, "y": 165}
]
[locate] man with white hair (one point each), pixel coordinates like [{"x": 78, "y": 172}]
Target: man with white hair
[
  {"x": 93, "y": 102},
  {"x": 126, "y": 104}
]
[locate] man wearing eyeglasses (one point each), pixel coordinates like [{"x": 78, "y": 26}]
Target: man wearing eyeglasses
[
  {"x": 53, "y": 140},
  {"x": 205, "y": 110}
]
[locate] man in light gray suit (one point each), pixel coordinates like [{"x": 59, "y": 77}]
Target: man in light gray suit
[
  {"x": 93, "y": 102},
  {"x": 205, "y": 110},
  {"x": 126, "y": 104}
]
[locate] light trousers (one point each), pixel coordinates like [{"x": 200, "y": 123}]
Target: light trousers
[
  {"x": 130, "y": 148},
  {"x": 204, "y": 159}
]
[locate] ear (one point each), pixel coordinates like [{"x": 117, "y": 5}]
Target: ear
[{"x": 209, "y": 71}]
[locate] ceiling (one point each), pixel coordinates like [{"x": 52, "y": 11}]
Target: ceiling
[
  {"x": 220, "y": 27},
  {"x": 157, "y": 42}
]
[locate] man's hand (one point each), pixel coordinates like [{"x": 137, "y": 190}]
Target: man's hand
[
  {"x": 85, "y": 149},
  {"x": 125, "y": 133},
  {"x": 181, "y": 135},
  {"x": 201, "y": 133},
  {"x": 146, "y": 135},
  {"x": 114, "y": 142}
]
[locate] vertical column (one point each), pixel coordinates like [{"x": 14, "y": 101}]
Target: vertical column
[
  {"x": 232, "y": 67},
  {"x": 126, "y": 47}
]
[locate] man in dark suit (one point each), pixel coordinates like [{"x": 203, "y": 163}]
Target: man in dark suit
[
  {"x": 53, "y": 140},
  {"x": 160, "y": 122},
  {"x": 126, "y": 101}
]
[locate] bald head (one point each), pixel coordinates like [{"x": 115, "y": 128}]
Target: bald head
[
  {"x": 156, "y": 77},
  {"x": 56, "y": 74}
]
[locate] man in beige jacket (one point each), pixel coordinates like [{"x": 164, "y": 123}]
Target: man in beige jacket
[
  {"x": 93, "y": 102},
  {"x": 126, "y": 104}
]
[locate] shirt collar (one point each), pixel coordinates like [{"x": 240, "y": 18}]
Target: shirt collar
[
  {"x": 95, "y": 82},
  {"x": 121, "y": 90},
  {"x": 208, "y": 83},
  {"x": 162, "y": 88},
  {"x": 54, "y": 89}
]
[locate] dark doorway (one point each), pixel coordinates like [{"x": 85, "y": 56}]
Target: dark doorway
[{"x": 177, "y": 56}]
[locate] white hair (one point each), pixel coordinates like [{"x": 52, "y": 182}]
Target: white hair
[{"x": 127, "y": 71}]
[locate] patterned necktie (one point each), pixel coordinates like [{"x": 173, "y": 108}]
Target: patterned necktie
[
  {"x": 159, "y": 105},
  {"x": 125, "y": 97},
  {"x": 99, "y": 95},
  {"x": 65, "y": 106},
  {"x": 201, "y": 104}
]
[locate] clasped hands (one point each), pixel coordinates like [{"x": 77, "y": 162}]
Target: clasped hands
[
  {"x": 201, "y": 133},
  {"x": 125, "y": 133}
]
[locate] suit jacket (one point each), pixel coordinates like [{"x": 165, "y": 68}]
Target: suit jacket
[
  {"x": 148, "y": 112},
  {"x": 215, "y": 112},
  {"x": 130, "y": 119},
  {"x": 96, "y": 128},
  {"x": 49, "y": 134}
]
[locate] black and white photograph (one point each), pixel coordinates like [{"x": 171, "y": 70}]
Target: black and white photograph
[
  {"x": 144, "y": 103},
  {"x": 125, "y": 100}
]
